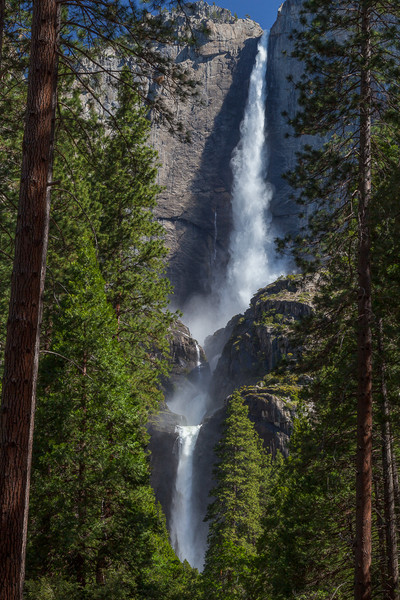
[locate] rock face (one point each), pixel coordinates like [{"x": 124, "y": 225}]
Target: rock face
[
  {"x": 188, "y": 376},
  {"x": 272, "y": 411},
  {"x": 196, "y": 213},
  {"x": 164, "y": 456},
  {"x": 258, "y": 339},
  {"x": 186, "y": 355},
  {"x": 195, "y": 205},
  {"x": 282, "y": 98},
  {"x": 253, "y": 344}
]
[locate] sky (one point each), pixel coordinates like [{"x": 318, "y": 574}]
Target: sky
[{"x": 262, "y": 11}]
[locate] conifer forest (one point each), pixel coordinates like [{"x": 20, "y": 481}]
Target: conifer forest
[{"x": 199, "y": 301}]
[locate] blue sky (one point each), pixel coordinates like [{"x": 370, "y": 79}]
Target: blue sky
[{"x": 262, "y": 11}]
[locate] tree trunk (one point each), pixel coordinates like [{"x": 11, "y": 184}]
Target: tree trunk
[
  {"x": 27, "y": 284},
  {"x": 381, "y": 534},
  {"x": 363, "y": 550},
  {"x": 391, "y": 589},
  {"x": 2, "y": 27}
]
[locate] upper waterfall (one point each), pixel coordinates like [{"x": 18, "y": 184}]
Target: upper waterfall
[
  {"x": 251, "y": 262},
  {"x": 252, "y": 259}
]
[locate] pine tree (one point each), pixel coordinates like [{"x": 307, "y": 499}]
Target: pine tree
[
  {"x": 130, "y": 241},
  {"x": 95, "y": 530},
  {"x": 348, "y": 94},
  {"x": 94, "y": 523},
  {"x": 88, "y": 28},
  {"x": 235, "y": 512}
]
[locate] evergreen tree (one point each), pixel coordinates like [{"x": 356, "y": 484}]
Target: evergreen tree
[
  {"x": 349, "y": 95},
  {"x": 95, "y": 530},
  {"x": 130, "y": 242},
  {"x": 86, "y": 28},
  {"x": 235, "y": 512}
]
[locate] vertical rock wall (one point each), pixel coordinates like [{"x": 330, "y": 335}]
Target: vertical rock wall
[
  {"x": 282, "y": 97},
  {"x": 195, "y": 205}
]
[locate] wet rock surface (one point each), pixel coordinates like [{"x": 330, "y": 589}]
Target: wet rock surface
[{"x": 185, "y": 354}]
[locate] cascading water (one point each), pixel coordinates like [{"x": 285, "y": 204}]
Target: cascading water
[
  {"x": 251, "y": 245},
  {"x": 250, "y": 267},
  {"x": 253, "y": 262},
  {"x": 182, "y": 530}
]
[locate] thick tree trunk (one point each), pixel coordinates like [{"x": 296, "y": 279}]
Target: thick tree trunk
[
  {"x": 392, "y": 585},
  {"x": 363, "y": 549},
  {"x": 22, "y": 346},
  {"x": 2, "y": 26}
]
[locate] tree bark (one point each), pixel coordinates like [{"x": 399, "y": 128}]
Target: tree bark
[
  {"x": 27, "y": 284},
  {"x": 2, "y": 27},
  {"x": 381, "y": 534},
  {"x": 392, "y": 585},
  {"x": 363, "y": 545}
]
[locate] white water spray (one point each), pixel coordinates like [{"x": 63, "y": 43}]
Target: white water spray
[
  {"x": 187, "y": 528},
  {"x": 253, "y": 262},
  {"x": 251, "y": 245}
]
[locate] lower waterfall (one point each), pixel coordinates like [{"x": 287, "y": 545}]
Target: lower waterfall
[
  {"x": 182, "y": 530},
  {"x": 252, "y": 265}
]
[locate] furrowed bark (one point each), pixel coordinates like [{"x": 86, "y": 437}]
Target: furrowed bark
[
  {"x": 27, "y": 284},
  {"x": 363, "y": 545},
  {"x": 392, "y": 584}
]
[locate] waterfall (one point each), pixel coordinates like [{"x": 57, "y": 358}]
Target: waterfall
[
  {"x": 252, "y": 265},
  {"x": 198, "y": 360},
  {"x": 252, "y": 256},
  {"x": 182, "y": 530},
  {"x": 187, "y": 528}
]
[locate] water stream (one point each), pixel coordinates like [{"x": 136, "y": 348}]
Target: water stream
[
  {"x": 250, "y": 267},
  {"x": 182, "y": 530}
]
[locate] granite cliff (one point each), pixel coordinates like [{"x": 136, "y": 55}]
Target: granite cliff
[
  {"x": 282, "y": 98},
  {"x": 195, "y": 209},
  {"x": 195, "y": 204}
]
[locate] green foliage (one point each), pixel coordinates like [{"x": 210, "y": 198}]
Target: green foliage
[
  {"x": 95, "y": 530},
  {"x": 130, "y": 241},
  {"x": 12, "y": 98},
  {"x": 309, "y": 548},
  {"x": 235, "y": 512}
]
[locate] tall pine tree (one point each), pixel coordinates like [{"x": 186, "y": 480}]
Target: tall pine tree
[
  {"x": 348, "y": 94},
  {"x": 235, "y": 512}
]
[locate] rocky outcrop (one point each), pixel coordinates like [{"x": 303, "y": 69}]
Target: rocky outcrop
[
  {"x": 272, "y": 411},
  {"x": 259, "y": 338},
  {"x": 195, "y": 204},
  {"x": 164, "y": 455},
  {"x": 253, "y": 344},
  {"x": 189, "y": 374},
  {"x": 186, "y": 358}
]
